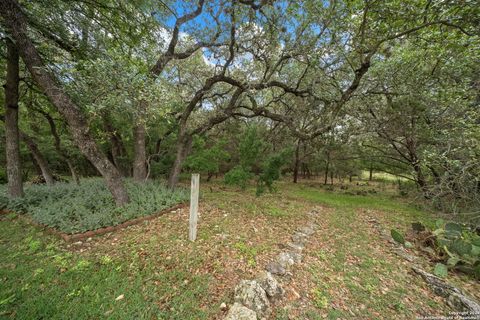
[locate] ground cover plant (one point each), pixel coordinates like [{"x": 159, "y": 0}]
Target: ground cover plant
[{"x": 73, "y": 208}]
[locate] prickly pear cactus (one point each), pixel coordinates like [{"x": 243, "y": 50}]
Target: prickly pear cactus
[{"x": 397, "y": 236}]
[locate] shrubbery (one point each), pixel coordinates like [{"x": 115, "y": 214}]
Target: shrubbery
[
  {"x": 40, "y": 179},
  {"x": 458, "y": 246},
  {"x": 452, "y": 245},
  {"x": 206, "y": 160},
  {"x": 250, "y": 162},
  {"x": 238, "y": 176},
  {"x": 72, "y": 208},
  {"x": 271, "y": 171}
]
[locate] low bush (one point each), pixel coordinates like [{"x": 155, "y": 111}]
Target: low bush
[
  {"x": 271, "y": 171},
  {"x": 459, "y": 246},
  {"x": 39, "y": 179},
  {"x": 238, "y": 176},
  {"x": 454, "y": 246},
  {"x": 75, "y": 208}
]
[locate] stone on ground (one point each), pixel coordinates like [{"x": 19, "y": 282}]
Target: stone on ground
[
  {"x": 250, "y": 294},
  {"x": 271, "y": 286},
  {"x": 307, "y": 230},
  {"x": 276, "y": 268},
  {"x": 240, "y": 312},
  {"x": 297, "y": 247},
  {"x": 299, "y": 237},
  {"x": 297, "y": 257},
  {"x": 285, "y": 259}
]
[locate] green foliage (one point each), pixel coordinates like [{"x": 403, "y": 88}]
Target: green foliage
[
  {"x": 440, "y": 270},
  {"x": 249, "y": 252},
  {"x": 72, "y": 208},
  {"x": 250, "y": 161},
  {"x": 3, "y": 201},
  {"x": 238, "y": 176},
  {"x": 459, "y": 246},
  {"x": 249, "y": 148},
  {"x": 397, "y": 236},
  {"x": 3, "y": 175},
  {"x": 271, "y": 171},
  {"x": 319, "y": 298},
  {"x": 206, "y": 160},
  {"x": 34, "y": 195}
]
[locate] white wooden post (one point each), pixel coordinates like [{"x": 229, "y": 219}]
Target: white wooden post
[{"x": 192, "y": 234}]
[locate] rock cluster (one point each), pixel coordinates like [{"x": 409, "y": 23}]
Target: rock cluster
[{"x": 253, "y": 298}]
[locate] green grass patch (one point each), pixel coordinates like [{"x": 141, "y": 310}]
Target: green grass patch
[
  {"x": 75, "y": 208},
  {"x": 381, "y": 176},
  {"x": 382, "y": 202},
  {"x": 40, "y": 280},
  {"x": 248, "y": 252}
]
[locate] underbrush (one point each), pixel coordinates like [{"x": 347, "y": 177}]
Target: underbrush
[
  {"x": 452, "y": 245},
  {"x": 75, "y": 208}
]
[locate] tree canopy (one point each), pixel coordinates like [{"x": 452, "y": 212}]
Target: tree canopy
[{"x": 249, "y": 89}]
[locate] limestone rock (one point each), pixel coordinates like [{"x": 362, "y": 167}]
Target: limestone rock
[
  {"x": 455, "y": 297},
  {"x": 276, "y": 268},
  {"x": 285, "y": 259},
  {"x": 297, "y": 257},
  {"x": 401, "y": 252},
  {"x": 313, "y": 212},
  {"x": 307, "y": 230},
  {"x": 250, "y": 294},
  {"x": 239, "y": 312},
  {"x": 296, "y": 247},
  {"x": 313, "y": 225},
  {"x": 271, "y": 286},
  {"x": 299, "y": 237}
]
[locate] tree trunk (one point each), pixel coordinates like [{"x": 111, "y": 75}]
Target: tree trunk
[
  {"x": 420, "y": 178},
  {"x": 370, "y": 176},
  {"x": 16, "y": 24},
  {"x": 183, "y": 148},
  {"x": 117, "y": 148},
  {"x": 73, "y": 172},
  {"x": 306, "y": 171},
  {"x": 37, "y": 169},
  {"x": 297, "y": 162},
  {"x": 140, "y": 153},
  {"x": 12, "y": 135},
  {"x": 57, "y": 143},
  {"x": 39, "y": 159},
  {"x": 326, "y": 171}
]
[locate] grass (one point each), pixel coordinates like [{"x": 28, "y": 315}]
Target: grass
[
  {"x": 41, "y": 280},
  {"x": 350, "y": 272},
  {"x": 387, "y": 202},
  {"x": 381, "y": 176},
  {"x": 151, "y": 270},
  {"x": 158, "y": 271}
]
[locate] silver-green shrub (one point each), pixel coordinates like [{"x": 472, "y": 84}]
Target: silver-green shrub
[{"x": 75, "y": 208}]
